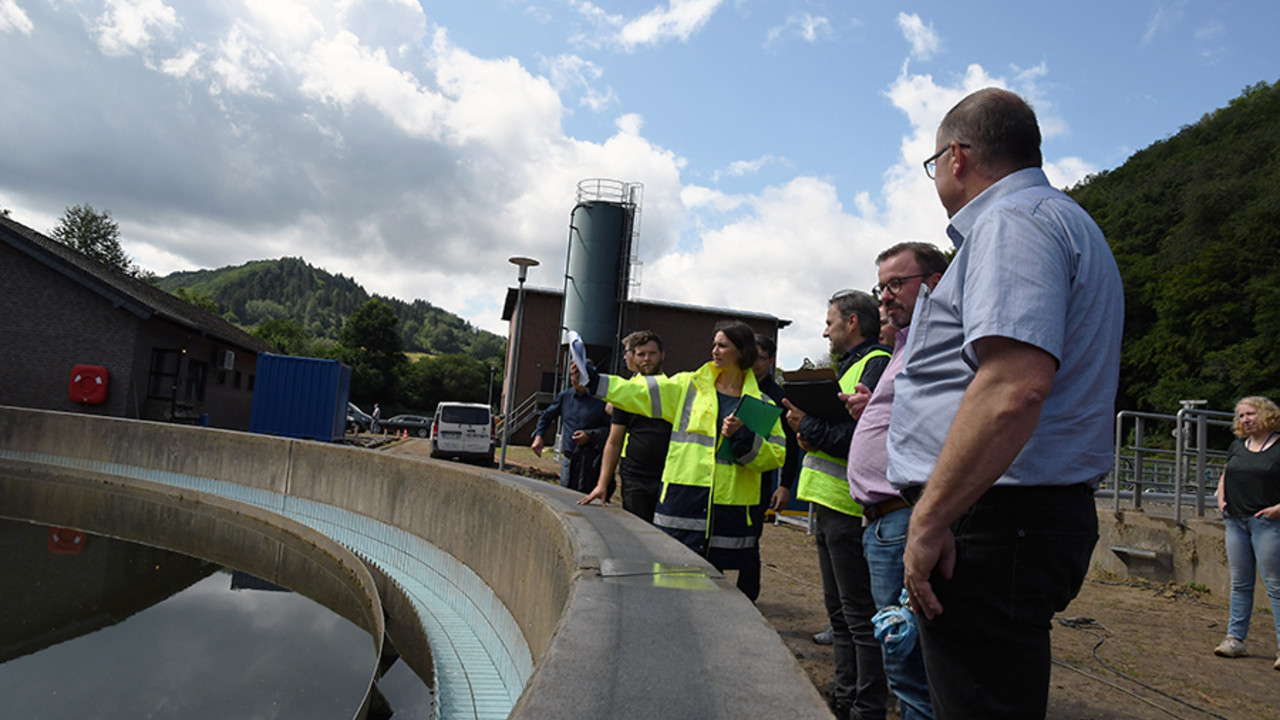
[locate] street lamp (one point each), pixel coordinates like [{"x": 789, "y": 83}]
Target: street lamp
[
  {"x": 492, "y": 368},
  {"x": 524, "y": 264}
]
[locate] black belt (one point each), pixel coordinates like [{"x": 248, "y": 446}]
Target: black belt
[{"x": 911, "y": 493}]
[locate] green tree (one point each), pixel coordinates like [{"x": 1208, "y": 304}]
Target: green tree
[
  {"x": 285, "y": 336},
  {"x": 204, "y": 301},
  {"x": 371, "y": 341},
  {"x": 457, "y": 377},
  {"x": 95, "y": 234}
]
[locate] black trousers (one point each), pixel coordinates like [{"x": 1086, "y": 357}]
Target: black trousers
[
  {"x": 640, "y": 494},
  {"x": 846, "y": 590},
  {"x": 1021, "y": 556}
]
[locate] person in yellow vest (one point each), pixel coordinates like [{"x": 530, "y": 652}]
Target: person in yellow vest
[
  {"x": 853, "y": 329},
  {"x": 705, "y": 501}
]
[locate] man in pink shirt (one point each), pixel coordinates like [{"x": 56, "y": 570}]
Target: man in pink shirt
[{"x": 905, "y": 270}]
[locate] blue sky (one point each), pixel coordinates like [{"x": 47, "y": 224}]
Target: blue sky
[{"x": 415, "y": 146}]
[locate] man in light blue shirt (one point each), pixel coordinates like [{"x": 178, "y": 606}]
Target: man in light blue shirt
[{"x": 1002, "y": 418}]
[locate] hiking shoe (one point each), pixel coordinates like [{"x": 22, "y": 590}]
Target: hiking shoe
[
  {"x": 826, "y": 637},
  {"x": 1232, "y": 648}
]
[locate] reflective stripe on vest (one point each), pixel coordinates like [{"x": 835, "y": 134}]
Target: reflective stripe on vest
[
  {"x": 727, "y": 542},
  {"x": 675, "y": 522},
  {"x": 823, "y": 478}
]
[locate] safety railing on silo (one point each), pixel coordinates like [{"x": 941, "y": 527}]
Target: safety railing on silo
[{"x": 1147, "y": 469}]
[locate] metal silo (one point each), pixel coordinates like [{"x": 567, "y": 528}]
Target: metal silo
[{"x": 602, "y": 229}]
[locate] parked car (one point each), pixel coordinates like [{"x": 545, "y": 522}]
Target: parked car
[
  {"x": 357, "y": 419},
  {"x": 415, "y": 424},
  {"x": 464, "y": 431}
]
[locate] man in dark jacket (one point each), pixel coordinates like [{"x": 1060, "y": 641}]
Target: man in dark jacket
[{"x": 580, "y": 448}]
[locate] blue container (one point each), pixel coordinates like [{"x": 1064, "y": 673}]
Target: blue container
[{"x": 300, "y": 397}]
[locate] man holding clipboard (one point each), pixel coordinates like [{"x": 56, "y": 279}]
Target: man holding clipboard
[{"x": 853, "y": 329}]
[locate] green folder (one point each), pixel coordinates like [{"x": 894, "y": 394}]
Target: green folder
[{"x": 759, "y": 417}]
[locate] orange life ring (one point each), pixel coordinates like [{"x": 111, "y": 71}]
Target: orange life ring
[
  {"x": 66, "y": 541},
  {"x": 88, "y": 384}
]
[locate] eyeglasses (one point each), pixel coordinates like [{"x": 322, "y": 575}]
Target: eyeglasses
[
  {"x": 894, "y": 285},
  {"x": 933, "y": 159}
]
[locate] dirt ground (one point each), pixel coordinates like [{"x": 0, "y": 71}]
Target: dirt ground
[
  {"x": 1159, "y": 636},
  {"x": 1132, "y": 650}
]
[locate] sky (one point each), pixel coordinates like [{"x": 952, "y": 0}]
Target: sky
[{"x": 416, "y": 146}]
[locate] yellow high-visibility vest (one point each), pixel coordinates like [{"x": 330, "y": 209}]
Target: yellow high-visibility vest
[
  {"x": 688, "y": 401},
  {"x": 823, "y": 478}
]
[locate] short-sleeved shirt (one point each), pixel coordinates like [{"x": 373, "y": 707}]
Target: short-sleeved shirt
[
  {"x": 1032, "y": 266},
  {"x": 647, "y": 440},
  {"x": 1252, "y": 479}
]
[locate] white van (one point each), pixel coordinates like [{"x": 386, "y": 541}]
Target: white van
[{"x": 464, "y": 431}]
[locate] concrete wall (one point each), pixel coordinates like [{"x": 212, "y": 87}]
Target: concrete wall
[
  {"x": 621, "y": 620},
  {"x": 1194, "y": 552}
]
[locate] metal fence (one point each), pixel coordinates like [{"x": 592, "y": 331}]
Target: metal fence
[{"x": 1146, "y": 470}]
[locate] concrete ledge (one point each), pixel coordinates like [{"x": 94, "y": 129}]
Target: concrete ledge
[
  {"x": 621, "y": 620},
  {"x": 1156, "y": 548}
]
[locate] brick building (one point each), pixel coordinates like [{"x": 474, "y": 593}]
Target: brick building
[
  {"x": 166, "y": 359},
  {"x": 686, "y": 331}
]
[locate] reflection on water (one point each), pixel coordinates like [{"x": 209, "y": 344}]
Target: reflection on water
[{"x": 121, "y": 630}]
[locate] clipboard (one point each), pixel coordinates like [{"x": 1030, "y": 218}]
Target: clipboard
[
  {"x": 816, "y": 392},
  {"x": 757, "y": 415}
]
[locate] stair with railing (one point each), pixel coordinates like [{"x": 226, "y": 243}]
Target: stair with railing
[{"x": 522, "y": 413}]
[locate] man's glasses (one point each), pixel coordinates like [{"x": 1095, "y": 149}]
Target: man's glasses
[
  {"x": 932, "y": 162},
  {"x": 894, "y": 285}
]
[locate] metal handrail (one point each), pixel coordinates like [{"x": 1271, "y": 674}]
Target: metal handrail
[
  {"x": 522, "y": 412},
  {"x": 1190, "y": 432}
]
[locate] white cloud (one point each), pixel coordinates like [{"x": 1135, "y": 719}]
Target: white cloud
[
  {"x": 242, "y": 65},
  {"x": 677, "y": 20},
  {"x": 809, "y": 28},
  {"x": 182, "y": 65},
  {"x": 127, "y": 25},
  {"x": 1166, "y": 16},
  {"x": 923, "y": 40},
  {"x": 743, "y": 167},
  {"x": 13, "y": 18},
  {"x": 1066, "y": 172},
  {"x": 571, "y": 73}
]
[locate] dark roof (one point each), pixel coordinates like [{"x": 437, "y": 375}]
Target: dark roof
[
  {"x": 509, "y": 306},
  {"x": 127, "y": 292}
]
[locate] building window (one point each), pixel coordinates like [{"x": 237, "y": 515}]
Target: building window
[
  {"x": 250, "y": 382},
  {"x": 548, "y": 382},
  {"x": 235, "y": 379},
  {"x": 197, "y": 372},
  {"x": 162, "y": 382}
]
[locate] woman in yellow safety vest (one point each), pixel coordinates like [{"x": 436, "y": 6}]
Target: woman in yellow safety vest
[{"x": 705, "y": 499}]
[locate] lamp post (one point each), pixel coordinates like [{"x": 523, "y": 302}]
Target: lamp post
[
  {"x": 524, "y": 264},
  {"x": 492, "y": 369}
]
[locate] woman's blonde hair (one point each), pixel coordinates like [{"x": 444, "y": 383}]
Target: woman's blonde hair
[{"x": 1268, "y": 414}]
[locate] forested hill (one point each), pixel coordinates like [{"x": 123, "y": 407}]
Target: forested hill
[
  {"x": 1194, "y": 222},
  {"x": 320, "y": 302}
]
